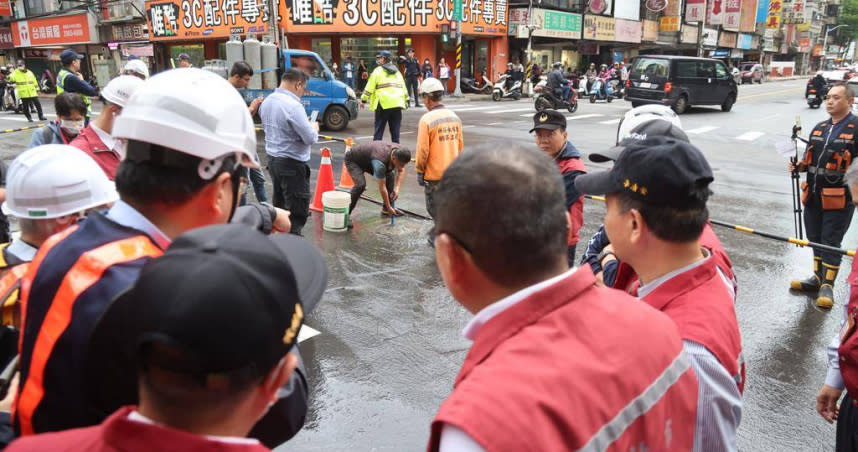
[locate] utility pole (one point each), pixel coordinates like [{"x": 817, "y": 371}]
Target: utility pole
[
  {"x": 700, "y": 34},
  {"x": 825, "y": 43},
  {"x": 458, "y": 91},
  {"x": 530, "y": 28}
]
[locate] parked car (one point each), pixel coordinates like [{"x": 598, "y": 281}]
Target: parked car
[
  {"x": 679, "y": 82},
  {"x": 853, "y": 82},
  {"x": 752, "y": 72}
]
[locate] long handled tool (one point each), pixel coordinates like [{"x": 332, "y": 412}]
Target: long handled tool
[
  {"x": 780, "y": 238},
  {"x": 796, "y": 183},
  {"x": 377, "y": 202}
]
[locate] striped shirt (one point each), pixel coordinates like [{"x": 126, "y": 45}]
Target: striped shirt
[{"x": 288, "y": 132}]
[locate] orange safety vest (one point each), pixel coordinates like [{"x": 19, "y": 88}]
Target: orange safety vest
[
  {"x": 85, "y": 272},
  {"x": 10, "y": 284}
]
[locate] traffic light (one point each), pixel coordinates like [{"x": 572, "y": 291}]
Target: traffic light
[{"x": 445, "y": 33}]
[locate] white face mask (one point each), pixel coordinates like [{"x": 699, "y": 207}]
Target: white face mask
[{"x": 72, "y": 127}]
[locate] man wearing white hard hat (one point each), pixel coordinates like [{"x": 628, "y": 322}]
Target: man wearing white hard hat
[
  {"x": 97, "y": 139},
  {"x": 439, "y": 141},
  {"x": 137, "y": 68},
  {"x": 187, "y": 140}
]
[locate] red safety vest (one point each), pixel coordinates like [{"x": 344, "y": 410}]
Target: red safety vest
[
  {"x": 85, "y": 272},
  {"x": 702, "y": 305},
  {"x": 577, "y": 209},
  {"x": 567, "y": 369},
  {"x": 848, "y": 350}
]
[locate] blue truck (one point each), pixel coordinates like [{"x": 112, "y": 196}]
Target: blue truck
[{"x": 335, "y": 102}]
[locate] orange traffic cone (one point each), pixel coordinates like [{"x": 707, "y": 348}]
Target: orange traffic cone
[
  {"x": 324, "y": 182},
  {"x": 345, "y": 178}
]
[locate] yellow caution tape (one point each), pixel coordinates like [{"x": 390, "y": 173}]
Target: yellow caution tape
[{"x": 21, "y": 129}]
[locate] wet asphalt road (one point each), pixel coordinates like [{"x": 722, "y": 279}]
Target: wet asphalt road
[{"x": 390, "y": 343}]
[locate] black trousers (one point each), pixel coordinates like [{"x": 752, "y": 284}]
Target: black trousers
[
  {"x": 847, "y": 426},
  {"x": 411, "y": 84},
  {"x": 291, "y": 179},
  {"x": 27, "y": 103},
  {"x": 392, "y": 116},
  {"x": 359, "y": 179},
  {"x": 826, "y": 226}
]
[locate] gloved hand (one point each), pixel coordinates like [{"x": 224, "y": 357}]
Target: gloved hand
[{"x": 420, "y": 180}]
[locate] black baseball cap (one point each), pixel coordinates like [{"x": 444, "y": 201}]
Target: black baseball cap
[
  {"x": 650, "y": 129},
  {"x": 659, "y": 170},
  {"x": 230, "y": 298},
  {"x": 549, "y": 120},
  {"x": 67, "y": 56}
]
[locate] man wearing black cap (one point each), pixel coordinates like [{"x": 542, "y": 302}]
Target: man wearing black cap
[
  {"x": 184, "y": 60},
  {"x": 656, "y": 196},
  {"x": 208, "y": 327},
  {"x": 70, "y": 79},
  {"x": 552, "y": 139}
]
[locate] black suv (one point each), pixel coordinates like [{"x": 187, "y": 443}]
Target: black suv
[{"x": 680, "y": 82}]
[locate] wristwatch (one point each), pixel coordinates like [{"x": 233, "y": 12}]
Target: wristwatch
[{"x": 603, "y": 254}]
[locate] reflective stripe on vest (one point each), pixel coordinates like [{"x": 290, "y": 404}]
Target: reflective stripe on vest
[
  {"x": 10, "y": 285},
  {"x": 61, "y": 87},
  {"x": 83, "y": 274}
]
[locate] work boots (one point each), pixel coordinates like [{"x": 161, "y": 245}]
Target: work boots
[
  {"x": 811, "y": 283},
  {"x": 825, "y": 298}
]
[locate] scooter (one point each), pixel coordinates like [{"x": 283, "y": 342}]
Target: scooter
[
  {"x": 9, "y": 99},
  {"x": 814, "y": 98},
  {"x": 499, "y": 92},
  {"x": 545, "y": 99},
  {"x": 469, "y": 85},
  {"x": 597, "y": 94}
]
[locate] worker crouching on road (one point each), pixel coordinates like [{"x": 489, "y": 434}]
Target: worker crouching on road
[
  {"x": 843, "y": 359},
  {"x": 552, "y": 139},
  {"x": 386, "y": 162},
  {"x": 387, "y": 97},
  {"x": 827, "y": 203},
  {"x": 209, "y": 327},
  {"x": 556, "y": 360},
  {"x": 656, "y": 197}
]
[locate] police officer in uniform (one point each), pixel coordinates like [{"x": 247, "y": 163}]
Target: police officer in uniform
[
  {"x": 827, "y": 202},
  {"x": 385, "y": 92},
  {"x": 412, "y": 75}
]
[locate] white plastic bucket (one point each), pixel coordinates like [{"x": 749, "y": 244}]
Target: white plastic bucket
[{"x": 336, "y": 210}]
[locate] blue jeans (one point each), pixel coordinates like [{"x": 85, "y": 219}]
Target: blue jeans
[
  {"x": 257, "y": 180},
  {"x": 350, "y": 81}
]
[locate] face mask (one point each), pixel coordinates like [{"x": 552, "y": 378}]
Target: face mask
[{"x": 71, "y": 127}]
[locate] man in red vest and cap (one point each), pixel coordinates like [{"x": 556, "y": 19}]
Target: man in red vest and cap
[
  {"x": 656, "y": 196},
  {"x": 557, "y": 362}
]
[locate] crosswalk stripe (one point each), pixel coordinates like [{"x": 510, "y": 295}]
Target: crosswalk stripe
[
  {"x": 471, "y": 108},
  {"x": 703, "y": 129},
  {"x": 494, "y": 123},
  {"x": 591, "y": 115},
  {"x": 611, "y": 121},
  {"x": 511, "y": 110},
  {"x": 750, "y": 136}
]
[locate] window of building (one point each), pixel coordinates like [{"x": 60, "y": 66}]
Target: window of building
[{"x": 367, "y": 48}]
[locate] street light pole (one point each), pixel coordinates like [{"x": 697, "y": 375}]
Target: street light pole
[{"x": 825, "y": 41}]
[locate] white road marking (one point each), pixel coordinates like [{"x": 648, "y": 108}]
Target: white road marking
[
  {"x": 703, "y": 129},
  {"x": 750, "y": 136},
  {"x": 471, "y": 108},
  {"x": 307, "y": 333},
  {"x": 368, "y": 136},
  {"x": 611, "y": 121},
  {"x": 494, "y": 123},
  {"x": 591, "y": 115},
  {"x": 468, "y": 126},
  {"x": 405, "y": 133},
  {"x": 512, "y": 110}
]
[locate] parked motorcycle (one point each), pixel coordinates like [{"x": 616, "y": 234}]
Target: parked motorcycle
[
  {"x": 469, "y": 85},
  {"x": 596, "y": 92},
  {"x": 47, "y": 86},
  {"x": 546, "y": 99},
  {"x": 500, "y": 91}
]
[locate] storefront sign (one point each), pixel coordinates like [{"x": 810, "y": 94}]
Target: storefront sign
[
  {"x": 817, "y": 50},
  {"x": 129, "y": 32},
  {"x": 6, "y": 41},
  {"x": 627, "y": 30},
  {"x": 195, "y": 19},
  {"x": 628, "y": 9},
  {"x": 669, "y": 23},
  {"x": 743, "y": 41},
  {"x": 656, "y": 5},
  {"x": 599, "y": 6},
  {"x": 710, "y": 37},
  {"x": 482, "y": 17},
  {"x": 719, "y": 53},
  {"x": 732, "y": 13},
  {"x": 747, "y": 21},
  {"x": 736, "y": 53},
  {"x": 588, "y": 48},
  {"x": 773, "y": 19},
  {"x": 716, "y": 12},
  {"x": 5, "y": 8},
  {"x": 694, "y": 10},
  {"x": 548, "y": 23},
  {"x": 689, "y": 34},
  {"x": 727, "y": 39},
  {"x": 650, "y": 30},
  {"x": 762, "y": 11},
  {"x": 673, "y": 8},
  {"x": 598, "y": 28},
  {"x": 53, "y": 30},
  {"x": 793, "y": 12},
  {"x": 138, "y": 50}
]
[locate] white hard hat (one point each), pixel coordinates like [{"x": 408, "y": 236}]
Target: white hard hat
[
  {"x": 54, "y": 180},
  {"x": 137, "y": 66},
  {"x": 191, "y": 111},
  {"x": 120, "y": 89},
  {"x": 639, "y": 115},
  {"x": 431, "y": 85}
]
